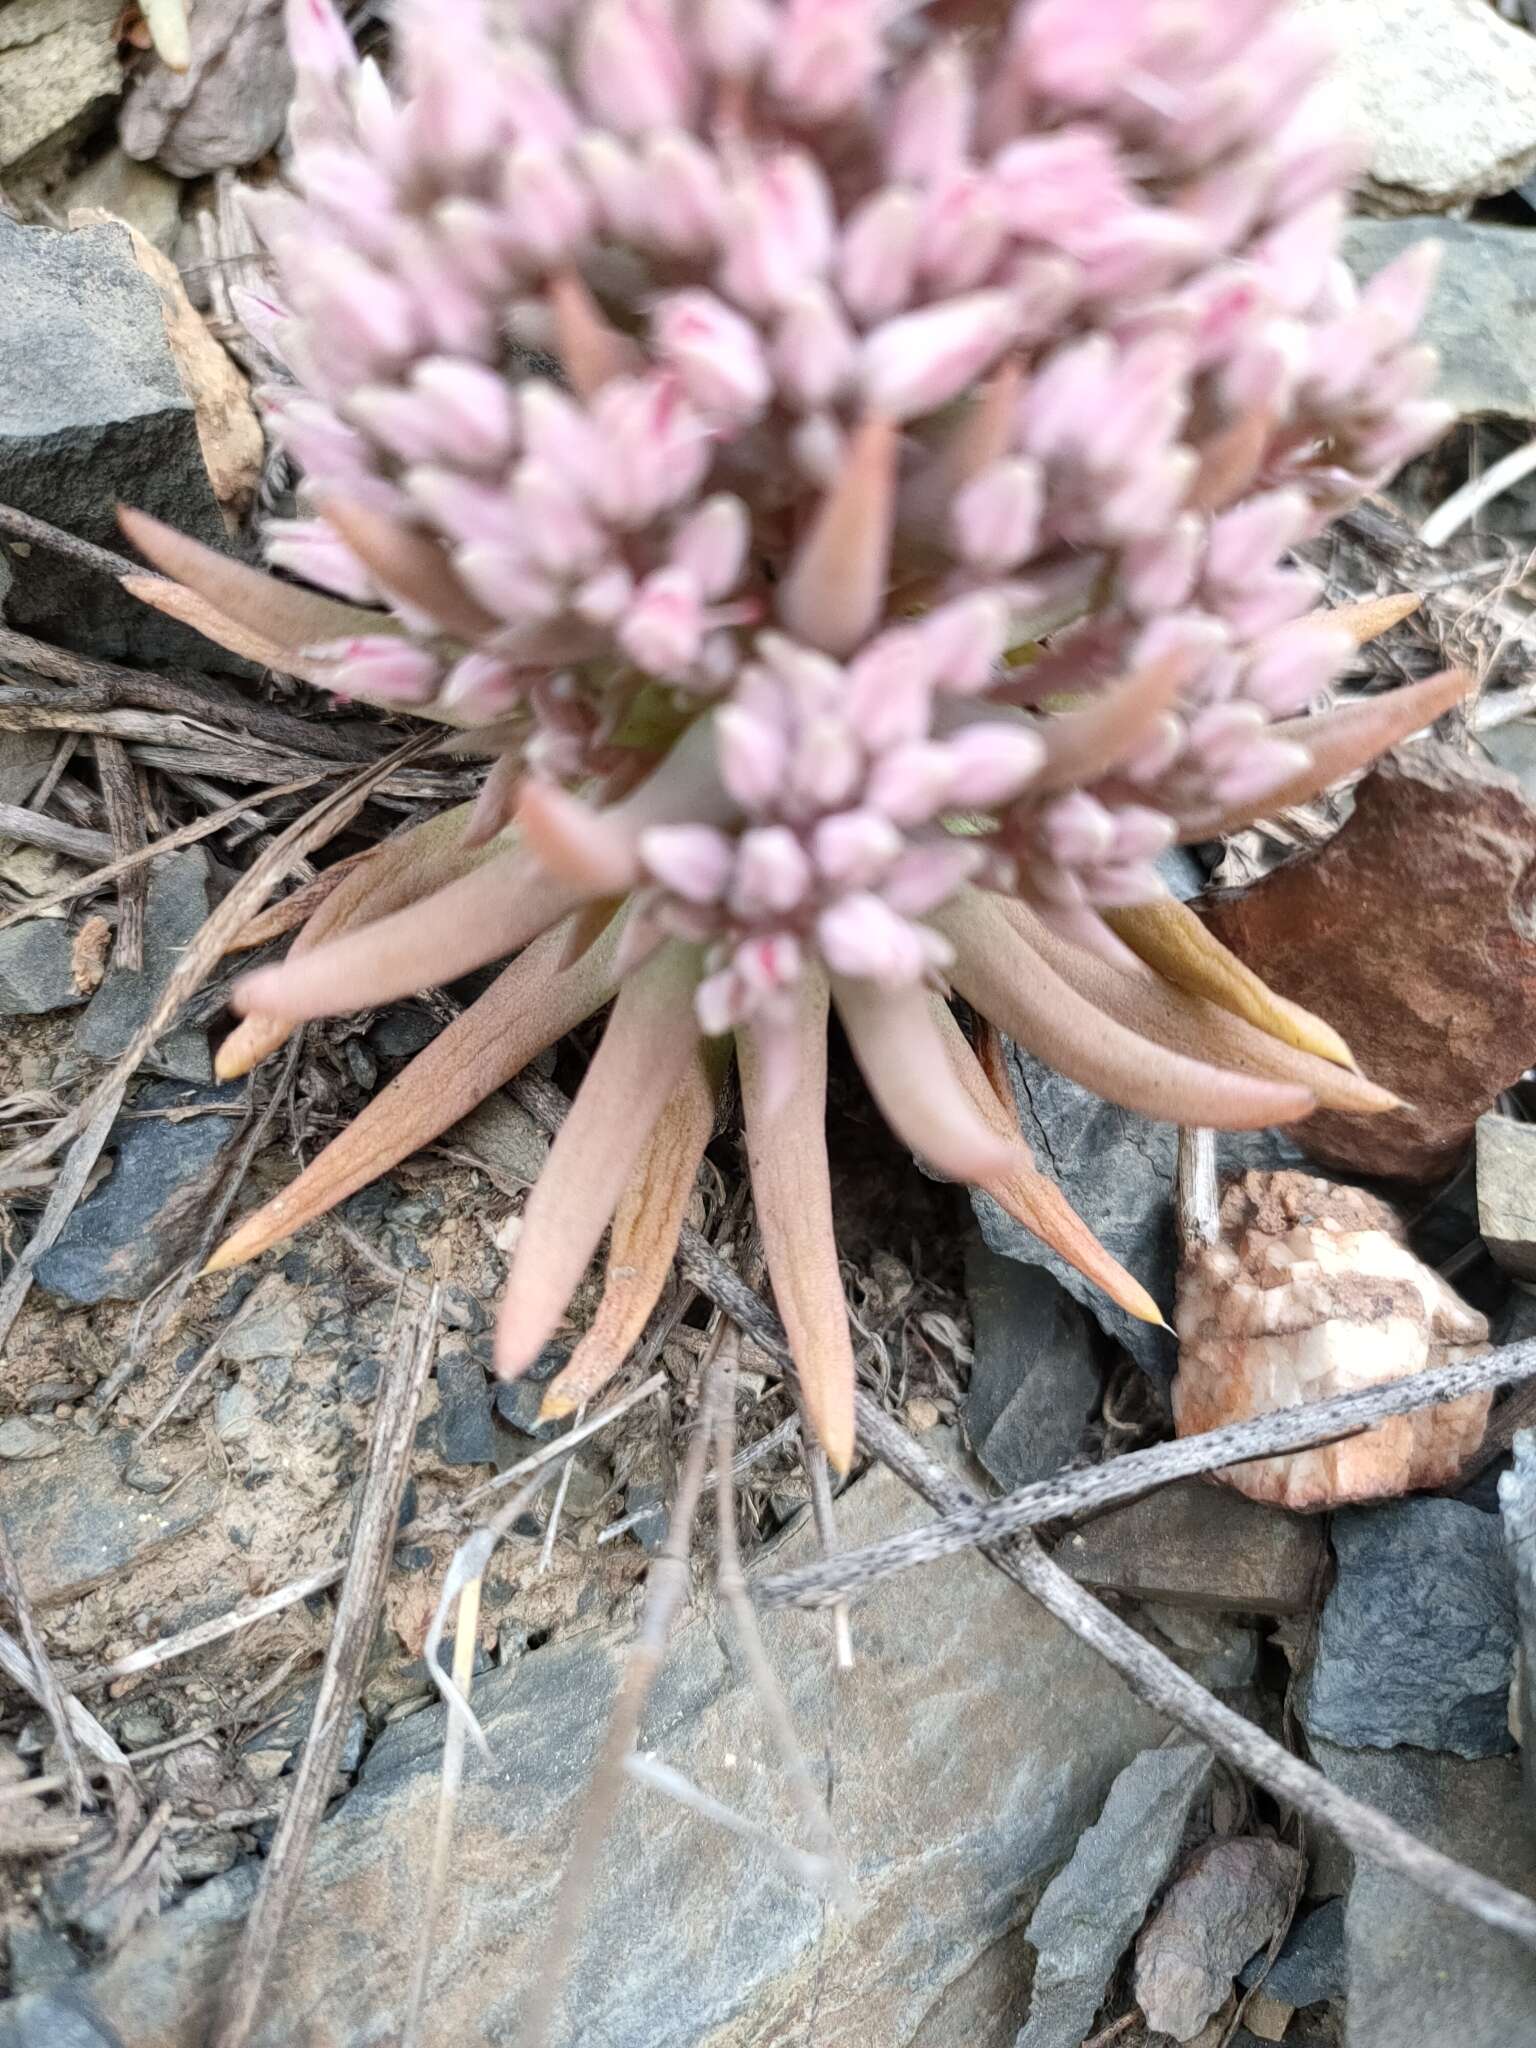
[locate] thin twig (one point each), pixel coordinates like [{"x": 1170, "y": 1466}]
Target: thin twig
[
  {"x": 166, "y": 1649},
  {"x": 666, "y": 1588},
  {"x": 824, "y": 1516},
  {"x": 547, "y": 1548},
  {"x": 1478, "y": 491},
  {"x": 32, "y": 828},
  {"x": 811, "y": 1871},
  {"x": 357, "y": 1615},
  {"x": 1196, "y": 1188},
  {"x": 754, "y": 1454},
  {"x": 720, "y": 1402},
  {"x": 125, "y": 821},
  {"x": 37, "y": 533},
  {"x": 84, "y": 1726},
  {"x": 205, "y": 1361},
  {"x": 1138, "y": 1472},
  {"x": 84, "y": 1152},
  {"x": 52, "y": 1699}
]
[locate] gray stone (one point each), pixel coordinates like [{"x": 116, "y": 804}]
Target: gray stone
[
  {"x": 1222, "y": 1653},
  {"x": 92, "y": 411},
  {"x": 58, "y": 73},
  {"x": 466, "y": 1433},
  {"x": 1117, "y": 1171},
  {"x": 40, "y": 1956},
  {"x": 1033, "y": 1379},
  {"x": 35, "y": 974},
  {"x": 288, "y": 1727},
  {"x": 1227, "y": 1903},
  {"x": 1506, "y": 1198},
  {"x": 235, "y": 1413},
  {"x": 174, "y": 913},
  {"x": 274, "y": 1326},
  {"x": 60, "y": 2018},
  {"x": 1417, "y": 1637},
  {"x": 503, "y": 1134},
  {"x": 229, "y": 105},
  {"x": 1203, "y": 1546},
  {"x": 401, "y": 1033},
  {"x": 1422, "y": 1975},
  {"x": 22, "y": 1439},
  {"x": 148, "y": 198},
  {"x": 971, "y": 1745},
  {"x": 1479, "y": 317},
  {"x": 1445, "y": 93},
  {"x": 1310, "y": 1965},
  {"x": 518, "y": 1401},
  {"x": 75, "y": 1524},
  {"x": 117, "y": 1245},
  {"x": 1093, "y": 1906}
]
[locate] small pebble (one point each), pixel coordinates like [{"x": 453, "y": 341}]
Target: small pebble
[
  {"x": 922, "y": 1415},
  {"x": 22, "y": 1439},
  {"x": 147, "y": 1479}
]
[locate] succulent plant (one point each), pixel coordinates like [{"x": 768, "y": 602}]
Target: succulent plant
[{"x": 838, "y": 462}]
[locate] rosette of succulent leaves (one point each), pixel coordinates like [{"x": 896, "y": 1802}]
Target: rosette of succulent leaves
[{"x": 837, "y": 462}]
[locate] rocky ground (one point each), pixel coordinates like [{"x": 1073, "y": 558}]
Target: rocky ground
[{"x": 1039, "y": 1856}]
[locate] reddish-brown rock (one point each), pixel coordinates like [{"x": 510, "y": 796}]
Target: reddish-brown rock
[{"x": 1413, "y": 932}]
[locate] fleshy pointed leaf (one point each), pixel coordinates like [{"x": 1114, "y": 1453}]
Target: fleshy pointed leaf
[
  {"x": 643, "y": 1242},
  {"x": 592, "y": 350},
  {"x": 410, "y": 565},
  {"x": 1143, "y": 1002},
  {"x": 897, "y": 1046},
  {"x": 644, "y": 1054},
  {"x": 1229, "y": 462},
  {"x": 832, "y": 595},
  {"x": 1010, "y": 983},
  {"x": 1173, "y": 942},
  {"x": 1341, "y": 741},
  {"x": 1030, "y": 1196},
  {"x": 1369, "y": 617},
  {"x": 526, "y": 1008},
  {"x": 1081, "y": 746},
  {"x": 791, "y": 1187},
  {"x": 484, "y": 915}
]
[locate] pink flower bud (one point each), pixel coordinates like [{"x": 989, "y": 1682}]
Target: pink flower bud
[
  {"x": 715, "y": 352},
  {"x": 482, "y": 688},
  {"x": 1289, "y": 668},
  {"x": 1249, "y": 539},
  {"x": 693, "y": 861},
  {"x": 1158, "y": 573},
  {"x": 890, "y": 689},
  {"x": 779, "y": 232},
  {"x": 1405, "y": 433},
  {"x": 930, "y": 124},
  {"x": 401, "y": 421},
  {"x": 475, "y": 241},
  {"x": 557, "y": 431},
  {"x": 753, "y": 755},
  {"x": 450, "y": 307},
  {"x": 654, "y": 449},
  {"x": 471, "y": 410},
  {"x": 686, "y": 194},
  {"x": 912, "y": 783},
  {"x": 537, "y": 105},
  {"x": 1222, "y": 733},
  {"x": 1397, "y": 297},
  {"x": 878, "y": 256},
  {"x": 927, "y": 876},
  {"x": 507, "y": 584},
  {"x": 736, "y": 35},
  {"x": 824, "y": 55},
  {"x": 619, "y": 184},
  {"x": 813, "y": 349},
  {"x": 632, "y": 71},
  {"x": 1080, "y": 59},
  {"x": 860, "y": 936},
  {"x": 318, "y": 40},
  {"x": 1076, "y": 830},
  {"x": 853, "y": 849},
  {"x": 966, "y": 639},
  {"x": 827, "y": 764},
  {"x": 604, "y": 598},
  {"x": 1150, "y": 497},
  {"x": 364, "y": 311},
  {"x": 1069, "y": 389},
  {"x": 995, "y": 521},
  {"x": 1141, "y": 834},
  {"x": 1267, "y": 765},
  {"x": 712, "y": 545},
  {"x": 313, "y": 550},
  {"x": 349, "y": 189},
  {"x": 557, "y": 532},
  {"x": 990, "y": 762},
  {"x": 465, "y": 509},
  {"x": 917, "y": 363},
  {"x": 767, "y": 962},
  {"x": 1064, "y": 187},
  {"x": 664, "y": 626},
  {"x": 379, "y": 666},
  {"x": 772, "y": 874},
  {"x": 964, "y": 232}
]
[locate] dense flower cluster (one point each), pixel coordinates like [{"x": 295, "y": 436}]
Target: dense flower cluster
[{"x": 841, "y": 458}]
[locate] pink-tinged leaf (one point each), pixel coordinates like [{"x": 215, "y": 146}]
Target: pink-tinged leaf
[
  {"x": 480, "y": 917},
  {"x": 791, "y": 1187},
  {"x": 1010, "y": 983},
  {"x": 492, "y": 810},
  {"x": 1029, "y": 1196},
  {"x": 178, "y": 601},
  {"x": 411, "y": 566},
  {"x": 400, "y": 872},
  {"x": 1190, "y": 1024},
  {"x": 1229, "y": 462},
  {"x": 900, "y": 1055},
  {"x": 586, "y": 849},
  {"x": 645, "y": 1052},
  {"x": 832, "y": 596},
  {"x": 1081, "y": 746},
  {"x": 592, "y": 351},
  {"x": 279, "y": 614},
  {"x": 646, "y": 1224},
  {"x": 526, "y": 1008},
  {"x": 1369, "y": 617},
  {"x": 1342, "y": 741}
]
